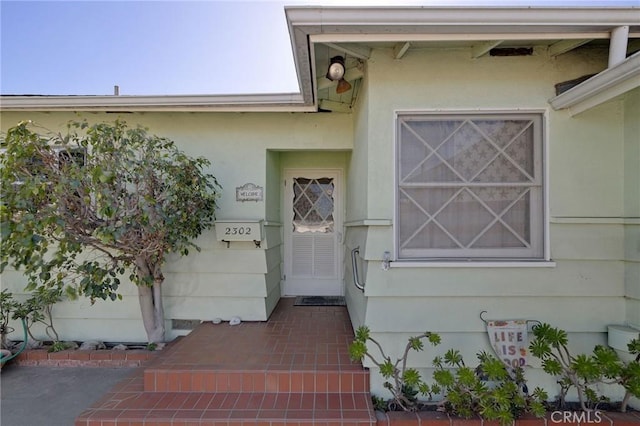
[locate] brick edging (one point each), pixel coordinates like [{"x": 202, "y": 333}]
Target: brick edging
[
  {"x": 84, "y": 358},
  {"x": 433, "y": 418}
]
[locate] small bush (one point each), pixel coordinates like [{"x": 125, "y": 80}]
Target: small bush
[
  {"x": 404, "y": 383},
  {"x": 584, "y": 371},
  {"x": 36, "y": 309},
  {"x": 490, "y": 391},
  {"x": 59, "y": 347}
]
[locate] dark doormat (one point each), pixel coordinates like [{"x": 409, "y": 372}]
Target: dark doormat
[{"x": 320, "y": 301}]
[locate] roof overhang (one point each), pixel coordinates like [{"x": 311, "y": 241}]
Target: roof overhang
[
  {"x": 352, "y": 29},
  {"x": 602, "y": 87}
]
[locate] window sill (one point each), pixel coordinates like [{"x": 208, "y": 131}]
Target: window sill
[{"x": 473, "y": 264}]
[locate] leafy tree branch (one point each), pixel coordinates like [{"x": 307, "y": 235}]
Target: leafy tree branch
[{"x": 82, "y": 209}]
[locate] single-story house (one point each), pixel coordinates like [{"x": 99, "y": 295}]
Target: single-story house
[{"x": 436, "y": 162}]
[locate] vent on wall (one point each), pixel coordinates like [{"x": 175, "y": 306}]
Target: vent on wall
[
  {"x": 181, "y": 324},
  {"x": 569, "y": 84},
  {"x": 511, "y": 51}
]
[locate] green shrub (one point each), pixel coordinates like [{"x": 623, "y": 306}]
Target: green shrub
[
  {"x": 490, "y": 391},
  {"x": 584, "y": 371},
  {"x": 404, "y": 383},
  {"x": 59, "y": 347},
  {"x": 629, "y": 376},
  {"x": 36, "y": 309},
  {"x": 8, "y": 306}
]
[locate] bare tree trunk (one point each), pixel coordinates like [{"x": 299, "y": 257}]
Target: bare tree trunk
[
  {"x": 151, "y": 307},
  {"x": 625, "y": 401},
  {"x": 158, "y": 311},
  {"x": 150, "y": 299}
]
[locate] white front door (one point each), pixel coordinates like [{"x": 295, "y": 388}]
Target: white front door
[{"x": 313, "y": 233}]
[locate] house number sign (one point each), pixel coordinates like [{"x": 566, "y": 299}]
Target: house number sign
[
  {"x": 249, "y": 192},
  {"x": 238, "y": 230}
]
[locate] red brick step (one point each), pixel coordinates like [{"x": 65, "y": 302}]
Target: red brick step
[
  {"x": 224, "y": 409},
  {"x": 207, "y": 380},
  {"x": 293, "y": 370}
]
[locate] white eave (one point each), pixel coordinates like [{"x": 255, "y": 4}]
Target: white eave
[
  {"x": 404, "y": 25},
  {"x": 601, "y": 88},
  {"x": 187, "y": 103},
  {"x": 421, "y": 19}
]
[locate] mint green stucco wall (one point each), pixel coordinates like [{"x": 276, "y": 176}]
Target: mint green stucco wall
[
  {"x": 357, "y": 203},
  {"x": 590, "y": 177},
  {"x": 632, "y": 205},
  {"x": 220, "y": 282}
]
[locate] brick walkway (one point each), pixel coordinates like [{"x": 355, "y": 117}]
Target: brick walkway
[{"x": 291, "y": 370}]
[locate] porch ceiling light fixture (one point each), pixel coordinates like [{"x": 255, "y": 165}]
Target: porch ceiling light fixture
[{"x": 336, "y": 73}]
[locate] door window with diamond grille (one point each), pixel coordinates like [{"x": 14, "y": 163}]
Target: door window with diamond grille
[
  {"x": 313, "y": 205},
  {"x": 470, "y": 187}
]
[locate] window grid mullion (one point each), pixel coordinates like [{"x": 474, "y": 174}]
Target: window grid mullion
[
  {"x": 432, "y": 218},
  {"x": 406, "y": 126},
  {"x": 502, "y": 151},
  {"x": 434, "y": 152},
  {"x": 470, "y": 185},
  {"x": 497, "y": 218}
]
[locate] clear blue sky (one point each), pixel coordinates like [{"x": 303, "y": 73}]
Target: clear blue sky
[
  {"x": 73, "y": 47},
  {"x": 158, "y": 47}
]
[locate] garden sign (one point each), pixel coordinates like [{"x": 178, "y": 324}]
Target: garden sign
[{"x": 509, "y": 341}]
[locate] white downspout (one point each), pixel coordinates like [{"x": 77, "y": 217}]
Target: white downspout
[{"x": 618, "y": 45}]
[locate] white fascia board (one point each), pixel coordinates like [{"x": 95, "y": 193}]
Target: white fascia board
[
  {"x": 441, "y": 36},
  {"x": 601, "y": 87},
  {"x": 231, "y": 103},
  {"x": 485, "y": 17}
]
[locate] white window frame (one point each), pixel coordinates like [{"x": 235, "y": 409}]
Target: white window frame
[
  {"x": 444, "y": 259},
  {"x": 59, "y": 150}
]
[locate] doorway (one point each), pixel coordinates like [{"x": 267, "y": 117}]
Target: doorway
[{"x": 312, "y": 232}]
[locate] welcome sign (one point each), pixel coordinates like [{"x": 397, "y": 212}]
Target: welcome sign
[
  {"x": 509, "y": 341},
  {"x": 249, "y": 192}
]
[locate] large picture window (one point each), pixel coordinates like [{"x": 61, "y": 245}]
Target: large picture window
[{"x": 470, "y": 187}]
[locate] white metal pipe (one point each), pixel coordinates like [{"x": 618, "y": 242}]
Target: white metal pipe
[
  {"x": 618, "y": 45},
  {"x": 354, "y": 263}
]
